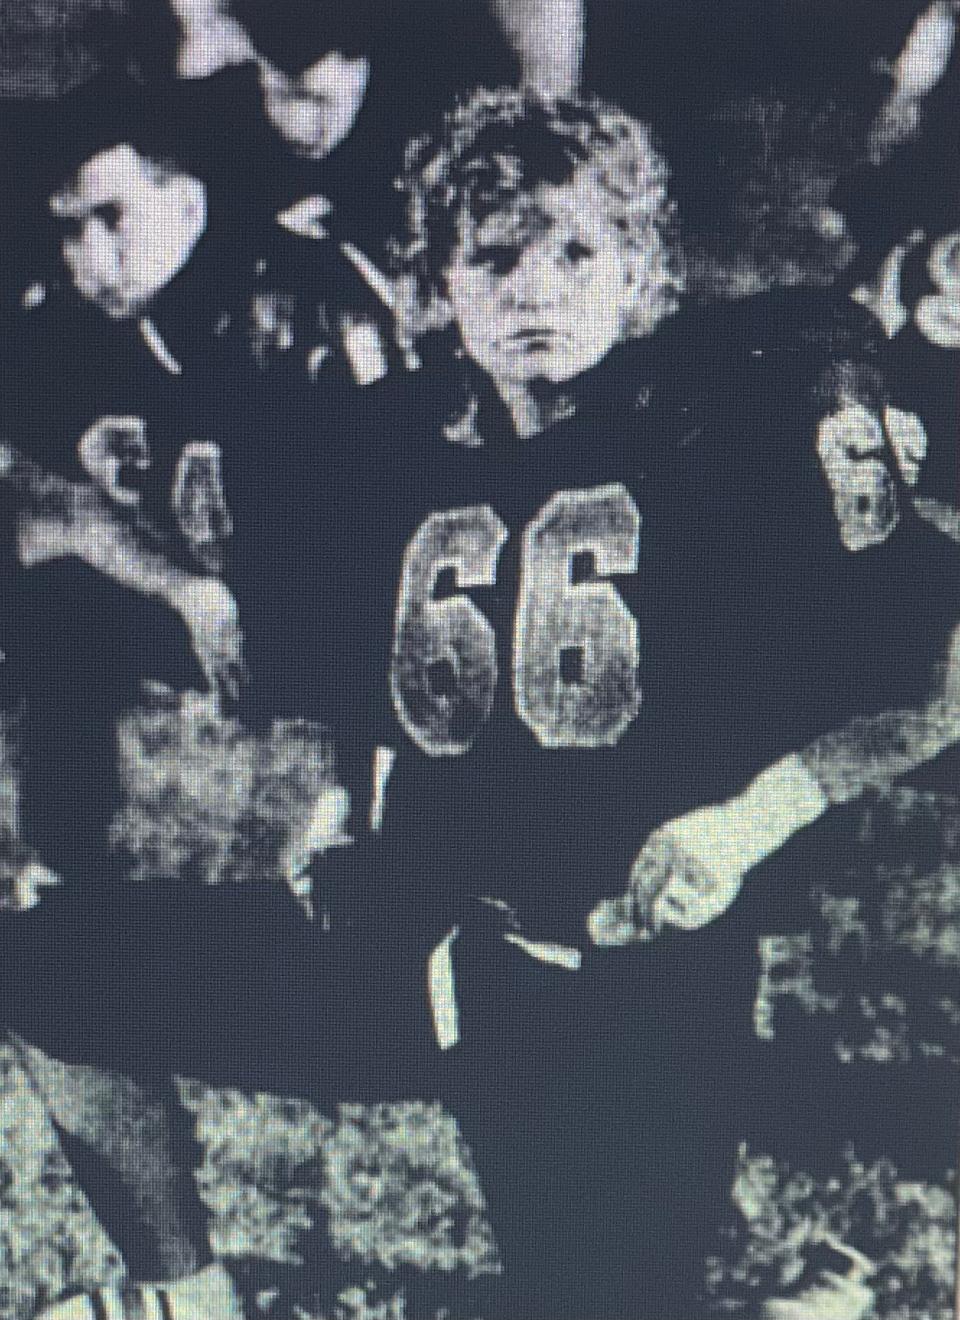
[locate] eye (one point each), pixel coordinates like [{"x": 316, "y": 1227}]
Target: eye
[
  {"x": 109, "y": 213},
  {"x": 498, "y": 258},
  {"x": 575, "y": 252}
]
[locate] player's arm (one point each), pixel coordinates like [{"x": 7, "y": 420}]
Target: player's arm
[
  {"x": 692, "y": 868},
  {"x": 57, "y": 518}
]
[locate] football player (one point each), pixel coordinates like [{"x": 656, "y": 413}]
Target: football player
[
  {"x": 559, "y": 593},
  {"x": 87, "y": 615},
  {"x": 579, "y": 583}
]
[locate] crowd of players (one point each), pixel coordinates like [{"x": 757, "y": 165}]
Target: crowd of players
[{"x": 578, "y": 527}]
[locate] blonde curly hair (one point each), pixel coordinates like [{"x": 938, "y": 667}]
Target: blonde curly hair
[{"x": 499, "y": 144}]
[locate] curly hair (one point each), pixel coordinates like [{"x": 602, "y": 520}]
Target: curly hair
[{"x": 497, "y": 145}]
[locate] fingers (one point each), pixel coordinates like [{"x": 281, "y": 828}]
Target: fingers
[
  {"x": 613, "y": 924},
  {"x": 633, "y": 916},
  {"x": 667, "y": 887}
]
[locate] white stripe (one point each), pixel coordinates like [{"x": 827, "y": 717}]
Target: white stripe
[
  {"x": 561, "y": 955},
  {"x": 113, "y": 1306},
  {"x": 150, "y": 1302},
  {"x": 383, "y": 759},
  {"x": 154, "y": 341},
  {"x": 443, "y": 992},
  {"x": 381, "y": 284}
]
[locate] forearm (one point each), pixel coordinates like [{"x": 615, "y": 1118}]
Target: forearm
[
  {"x": 85, "y": 526},
  {"x": 868, "y": 752},
  {"x": 692, "y": 868},
  {"x": 56, "y": 518},
  {"x": 730, "y": 838},
  {"x": 873, "y": 751}
]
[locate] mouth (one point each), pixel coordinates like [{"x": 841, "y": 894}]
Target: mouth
[{"x": 534, "y": 339}]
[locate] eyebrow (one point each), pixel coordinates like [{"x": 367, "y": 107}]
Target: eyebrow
[{"x": 531, "y": 220}]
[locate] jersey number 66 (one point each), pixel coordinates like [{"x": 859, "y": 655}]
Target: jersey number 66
[{"x": 575, "y": 643}]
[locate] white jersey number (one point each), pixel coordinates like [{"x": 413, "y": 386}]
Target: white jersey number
[
  {"x": 576, "y": 645},
  {"x": 443, "y": 671}
]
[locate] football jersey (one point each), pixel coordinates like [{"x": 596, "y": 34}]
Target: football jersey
[
  {"x": 562, "y": 642},
  {"x": 77, "y": 648}
]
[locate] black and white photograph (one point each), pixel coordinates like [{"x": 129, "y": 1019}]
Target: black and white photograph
[{"x": 479, "y": 659}]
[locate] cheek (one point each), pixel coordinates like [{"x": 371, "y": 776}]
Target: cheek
[
  {"x": 97, "y": 247},
  {"x": 472, "y": 297}
]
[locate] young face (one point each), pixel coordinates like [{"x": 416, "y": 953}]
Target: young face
[
  {"x": 314, "y": 112},
  {"x": 541, "y": 288},
  {"x": 138, "y": 224}
]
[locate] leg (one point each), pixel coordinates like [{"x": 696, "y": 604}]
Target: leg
[
  {"x": 230, "y": 985},
  {"x": 133, "y": 1155},
  {"x": 604, "y": 1125},
  {"x": 131, "y": 1146}
]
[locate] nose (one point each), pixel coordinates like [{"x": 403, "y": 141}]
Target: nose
[{"x": 535, "y": 283}]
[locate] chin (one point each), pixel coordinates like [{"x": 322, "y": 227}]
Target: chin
[
  {"x": 554, "y": 367},
  {"x": 561, "y": 373},
  {"x": 566, "y": 368}
]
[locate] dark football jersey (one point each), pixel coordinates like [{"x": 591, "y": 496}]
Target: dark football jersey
[
  {"x": 571, "y": 639},
  {"x": 77, "y": 648}
]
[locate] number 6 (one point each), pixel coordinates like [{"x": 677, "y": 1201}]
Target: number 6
[
  {"x": 443, "y": 671},
  {"x": 576, "y": 648}
]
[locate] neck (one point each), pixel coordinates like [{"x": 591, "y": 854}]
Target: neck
[
  {"x": 525, "y": 411},
  {"x": 533, "y": 406}
]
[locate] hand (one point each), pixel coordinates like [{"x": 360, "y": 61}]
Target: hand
[
  {"x": 690, "y": 870},
  {"x": 209, "y": 610},
  {"x": 667, "y": 887}
]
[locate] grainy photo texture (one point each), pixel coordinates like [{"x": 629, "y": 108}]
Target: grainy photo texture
[{"x": 479, "y": 659}]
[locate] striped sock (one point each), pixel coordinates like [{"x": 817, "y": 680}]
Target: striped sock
[
  {"x": 130, "y": 1303},
  {"x": 207, "y": 1295}
]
